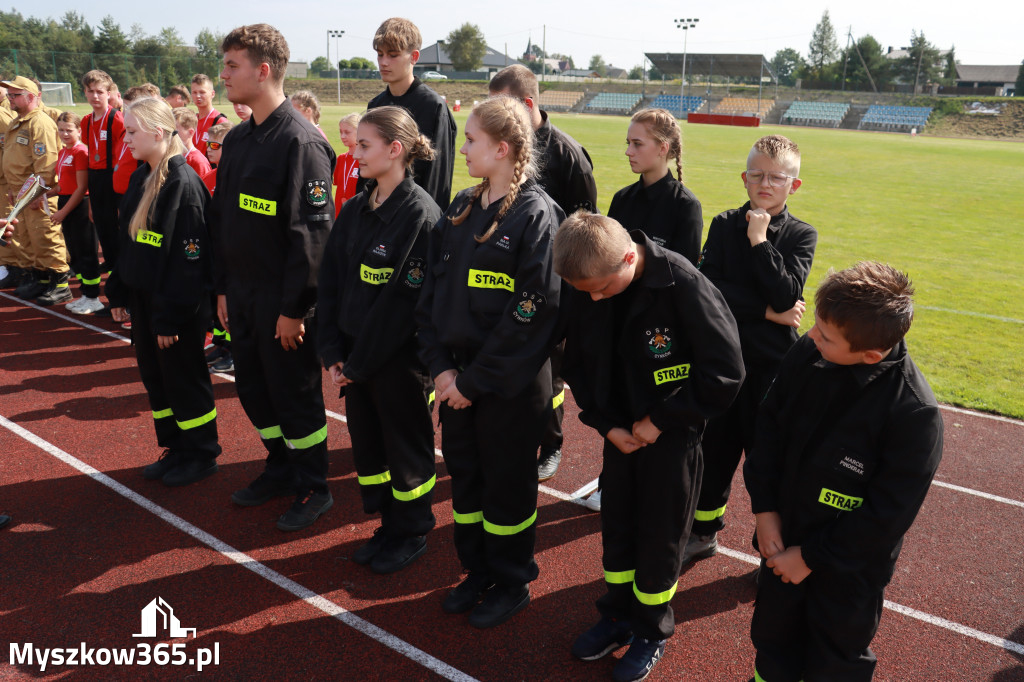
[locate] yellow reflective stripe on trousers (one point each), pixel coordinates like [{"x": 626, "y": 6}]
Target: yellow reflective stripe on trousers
[
  {"x": 618, "y": 577},
  {"x": 198, "y": 421},
  {"x": 485, "y": 279},
  {"x": 418, "y": 491},
  {"x": 309, "y": 441},
  {"x": 375, "y": 480},
  {"x": 160, "y": 414},
  {"x": 430, "y": 398},
  {"x": 89, "y": 282},
  {"x": 557, "y": 401},
  {"x": 271, "y": 432},
  {"x": 655, "y": 599},
  {"x": 757, "y": 676},
  {"x": 472, "y": 517},
  {"x": 709, "y": 515},
  {"x": 495, "y": 529}
]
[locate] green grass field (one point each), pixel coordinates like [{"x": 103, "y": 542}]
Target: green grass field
[{"x": 950, "y": 212}]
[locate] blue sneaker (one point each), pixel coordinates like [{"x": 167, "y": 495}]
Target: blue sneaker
[
  {"x": 639, "y": 661},
  {"x": 602, "y": 639}
]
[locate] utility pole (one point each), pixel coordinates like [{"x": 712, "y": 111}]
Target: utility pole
[{"x": 336, "y": 35}]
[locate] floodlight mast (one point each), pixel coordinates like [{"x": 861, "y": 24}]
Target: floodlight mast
[
  {"x": 331, "y": 33},
  {"x": 686, "y": 25}
]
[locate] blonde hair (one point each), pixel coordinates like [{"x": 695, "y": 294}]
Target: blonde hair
[
  {"x": 779, "y": 149},
  {"x": 352, "y": 119},
  {"x": 153, "y": 115},
  {"x": 397, "y": 34},
  {"x": 185, "y": 117},
  {"x": 663, "y": 128},
  {"x": 307, "y": 100},
  {"x": 503, "y": 119},
  {"x": 220, "y": 130},
  {"x": 100, "y": 77},
  {"x": 589, "y": 245},
  {"x": 395, "y": 124}
]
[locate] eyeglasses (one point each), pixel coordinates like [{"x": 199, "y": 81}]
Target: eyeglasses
[
  {"x": 215, "y": 146},
  {"x": 754, "y": 177},
  {"x": 12, "y": 95}
]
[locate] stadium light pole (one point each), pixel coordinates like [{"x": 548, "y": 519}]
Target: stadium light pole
[
  {"x": 337, "y": 53},
  {"x": 686, "y": 25}
]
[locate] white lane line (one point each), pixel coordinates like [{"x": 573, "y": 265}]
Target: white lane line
[
  {"x": 970, "y": 491},
  {"x": 969, "y": 313},
  {"x": 983, "y": 415},
  {"x": 587, "y": 489},
  {"x": 305, "y": 594}
]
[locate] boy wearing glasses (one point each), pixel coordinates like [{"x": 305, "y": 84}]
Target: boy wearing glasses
[{"x": 759, "y": 257}]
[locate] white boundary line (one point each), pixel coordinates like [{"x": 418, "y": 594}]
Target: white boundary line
[
  {"x": 305, "y": 594},
  {"x": 970, "y": 491},
  {"x": 969, "y": 313}
]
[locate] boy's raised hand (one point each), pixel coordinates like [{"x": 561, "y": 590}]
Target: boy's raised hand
[
  {"x": 624, "y": 440},
  {"x": 757, "y": 226}
]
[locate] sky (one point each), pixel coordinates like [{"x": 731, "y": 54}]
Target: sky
[{"x": 615, "y": 29}]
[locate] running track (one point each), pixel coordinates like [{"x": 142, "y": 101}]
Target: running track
[{"x": 92, "y": 543}]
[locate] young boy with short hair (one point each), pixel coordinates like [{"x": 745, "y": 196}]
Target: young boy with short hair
[
  {"x": 219, "y": 357},
  {"x": 651, "y": 352},
  {"x": 202, "y": 95},
  {"x": 178, "y": 96},
  {"x": 758, "y": 256},
  {"x": 185, "y": 121},
  {"x": 102, "y": 132},
  {"x": 848, "y": 441},
  {"x": 397, "y": 43}
]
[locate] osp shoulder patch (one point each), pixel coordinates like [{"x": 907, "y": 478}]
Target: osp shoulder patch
[
  {"x": 192, "y": 249},
  {"x": 659, "y": 342},
  {"x": 414, "y": 273},
  {"x": 317, "y": 193},
  {"x": 39, "y": 149},
  {"x": 527, "y": 307}
]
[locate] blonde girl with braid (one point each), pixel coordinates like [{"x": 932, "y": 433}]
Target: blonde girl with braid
[
  {"x": 659, "y": 204},
  {"x": 163, "y": 274},
  {"x": 486, "y": 318}
]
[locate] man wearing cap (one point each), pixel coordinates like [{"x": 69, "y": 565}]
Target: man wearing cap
[
  {"x": 10, "y": 273},
  {"x": 30, "y": 146}
]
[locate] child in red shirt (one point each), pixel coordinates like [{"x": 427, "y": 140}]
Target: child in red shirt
[
  {"x": 346, "y": 170},
  {"x": 202, "y": 95},
  {"x": 185, "y": 121}
]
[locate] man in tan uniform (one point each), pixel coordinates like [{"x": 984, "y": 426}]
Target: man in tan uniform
[
  {"x": 31, "y": 146},
  {"x": 10, "y": 272}
]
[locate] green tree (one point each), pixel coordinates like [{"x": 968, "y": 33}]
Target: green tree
[
  {"x": 361, "y": 64},
  {"x": 636, "y": 73},
  {"x": 111, "y": 39},
  {"x": 949, "y": 77},
  {"x": 466, "y": 47},
  {"x": 1018, "y": 88},
  {"x": 208, "y": 44},
  {"x": 923, "y": 64},
  {"x": 344, "y": 64},
  {"x": 785, "y": 64},
  {"x": 320, "y": 64},
  {"x": 877, "y": 65},
  {"x": 823, "y": 48},
  {"x": 598, "y": 64}
]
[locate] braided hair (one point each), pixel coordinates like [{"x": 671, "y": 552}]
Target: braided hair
[{"x": 663, "y": 127}]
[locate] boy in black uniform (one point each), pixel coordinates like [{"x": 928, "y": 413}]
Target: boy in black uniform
[
  {"x": 271, "y": 215},
  {"x": 567, "y": 174},
  {"x": 848, "y": 440},
  {"x": 398, "y": 43},
  {"x": 759, "y": 257},
  {"x": 651, "y": 352}
]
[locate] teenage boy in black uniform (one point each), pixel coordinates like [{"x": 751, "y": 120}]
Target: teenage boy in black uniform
[
  {"x": 848, "y": 441},
  {"x": 271, "y": 215},
  {"x": 567, "y": 174},
  {"x": 398, "y": 43},
  {"x": 759, "y": 257},
  {"x": 651, "y": 352}
]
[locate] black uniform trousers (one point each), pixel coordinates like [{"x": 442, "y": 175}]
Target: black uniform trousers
[
  {"x": 389, "y": 421},
  {"x": 177, "y": 382},
  {"x": 280, "y": 390},
  {"x": 726, "y": 438},
  {"x": 104, "y": 201},
  {"x": 490, "y": 449},
  {"x": 80, "y": 238},
  {"x": 647, "y": 507},
  {"x": 552, "y": 438},
  {"x": 816, "y": 631}
]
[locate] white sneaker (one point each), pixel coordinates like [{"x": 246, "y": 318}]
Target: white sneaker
[
  {"x": 87, "y": 306},
  {"x": 73, "y": 306},
  {"x": 3, "y": 271},
  {"x": 593, "y": 503}
]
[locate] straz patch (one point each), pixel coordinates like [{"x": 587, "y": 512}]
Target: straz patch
[
  {"x": 839, "y": 500},
  {"x": 414, "y": 274},
  {"x": 257, "y": 205},
  {"x": 485, "y": 279},
  {"x": 191, "y": 249},
  {"x": 504, "y": 243},
  {"x": 669, "y": 374},
  {"x": 149, "y": 238},
  {"x": 376, "y": 276},
  {"x": 659, "y": 342},
  {"x": 527, "y": 307},
  {"x": 39, "y": 148},
  {"x": 317, "y": 193}
]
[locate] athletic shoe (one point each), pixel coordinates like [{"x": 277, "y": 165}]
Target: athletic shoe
[
  {"x": 467, "y": 594},
  {"x": 225, "y": 364},
  {"x": 700, "y": 547},
  {"x": 54, "y": 294},
  {"x": 3, "y": 272},
  {"x": 547, "y": 466},
  {"x": 398, "y": 553},
  {"x": 190, "y": 471},
  {"x": 499, "y": 605},
  {"x": 73, "y": 305},
  {"x": 13, "y": 278},
  {"x": 364, "y": 555},
  {"x": 593, "y": 503},
  {"x": 262, "y": 490},
  {"x": 30, "y": 288},
  {"x": 639, "y": 660},
  {"x": 306, "y": 509},
  {"x": 155, "y": 471},
  {"x": 208, "y": 343},
  {"x": 602, "y": 639},
  {"x": 215, "y": 354},
  {"x": 4, "y": 520},
  {"x": 127, "y": 325},
  {"x": 85, "y": 305}
]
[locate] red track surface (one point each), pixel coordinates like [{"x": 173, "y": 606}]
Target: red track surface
[{"x": 80, "y": 560}]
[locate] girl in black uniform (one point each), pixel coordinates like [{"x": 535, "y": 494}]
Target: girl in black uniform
[
  {"x": 658, "y": 203},
  {"x": 370, "y": 280},
  {"x": 487, "y": 316},
  {"x": 164, "y": 273}
]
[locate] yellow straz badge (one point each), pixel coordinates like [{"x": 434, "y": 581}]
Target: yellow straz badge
[
  {"x": 675, "y": 373},
  {"x": 485, "y": 279},
  {"x": 375, "y": 276},
  {"x": 257, "y": 205},
  {"x": 150, "y": 238},
  {"x": 839, "y": 500}
]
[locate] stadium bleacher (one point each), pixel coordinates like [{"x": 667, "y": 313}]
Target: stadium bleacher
[
  {"x": 830, "y": 114},
  {"x": 677, "y": 103},
  {"x": 888, "y": 117},
  {"x": 615, "y": 101},
  {"x": 559, "y": 99},
  {"x": 743, "y": 106}
]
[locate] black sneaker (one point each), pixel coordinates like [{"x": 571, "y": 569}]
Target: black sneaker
[
  {"x": 215, "y": 354},
  {"x": 398, "y": 553},
  {"x": 467, "y": 594},
  {"x": 602, "y": 639},
  {"x": 639, "y": 660},
  {"x": 15, "y": 276},
  {"x": 306, "y": 509},
  {"x": 263, "y": 490},
  {"x": 365, "y": 554},
  {"x": 156, "y": 471},
  {"x": 4, "y": 520},
  {"x": 547, "y": 465},
  {"x": 190, "y": 471},
  {"x": 30, "y": 288},
  {"x": 700, "y": 547},
  {"x": 226, "y": 363},
  {"x": 499, "y": 605}
]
